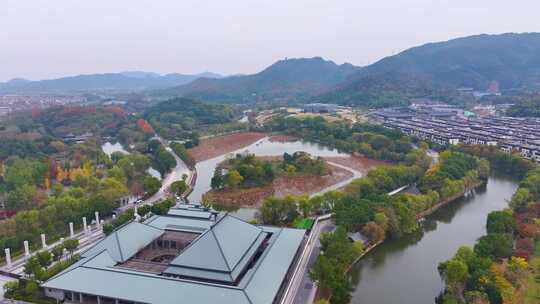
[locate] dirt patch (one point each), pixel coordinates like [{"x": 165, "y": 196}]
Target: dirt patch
[
  {"x": 282, "y": 138},
  {"x": 357, "y": 162},
  {"x": 280, "y": 187},
  {"x": 216, "y": 146}
]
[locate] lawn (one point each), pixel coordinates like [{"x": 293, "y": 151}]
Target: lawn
[{"x": 305, "y": 223}]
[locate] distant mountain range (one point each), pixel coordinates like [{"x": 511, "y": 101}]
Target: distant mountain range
[
  {"x": 431, "y": 70},
  {"x": 511, "y": 60},
  {"x": 110, "y": 82},
  {"x": 283, "y": 80}
]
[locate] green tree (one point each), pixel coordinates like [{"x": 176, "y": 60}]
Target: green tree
[
  {"x": 305, "y": 206},
  {"x": 21, "y": 198},
  {"x": 495, "y": 246},
  {"x": 57, "y": 252},
  {"x": 71, "y": 245},
  {"x": 44, "y": 258},
  {"x": 218, "y": 180},
  {"x": 151, "y": 184},
  {"x": 521, "y": 199},
  {"x": 233, "y": 179},
  {"x": 501, "y": 222},
  {"x": 32, "y": 267},
  {"x": 178, "y": 187},
  {"x": 455, "y": 274},
  {"x": 275, "y": 211}
]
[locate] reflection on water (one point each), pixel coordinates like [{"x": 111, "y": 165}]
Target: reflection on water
[
  {"x": 405, "y": 270},
  {"x": 263, "y": 147}
]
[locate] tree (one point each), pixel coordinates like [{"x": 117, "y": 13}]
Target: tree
[
  {"x": 21, "y": 198},
  {"x": 44, "y": 258},
  {"x": 71, "y": 245},
  {"x": 233, "y": 179},
  {"x": 483, "y": 169},
  {"x": 151, "y": 185},
  {"x": 495, "y": 246},
  {"x": 305, "y": 206},
  {"x": 32, "y": 289},
  {"x": 218, "y": 180},
  {"x": 330, "y": 268},
  {"x": 57, "y": 252},
  {"x": 178, "y": 187},
  {"x": 521, "y": 199},
  {"x": 324, "y": 272},
  {"x": 32, "y": 267},
  {"x": 275, "y": 211},
  {"x": 500, "y": 222},
  {"x": 373, "y": 232},
  {"x": 455, "y": 274},
  {"x": 516, "y": 269}
]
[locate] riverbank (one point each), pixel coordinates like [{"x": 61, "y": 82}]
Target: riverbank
[
  {"x": 216, "y": 146},
  {"x": 388, "y": 243},
  {"x": 280, "y": 187},
  {"x": 444, "y": 202}
]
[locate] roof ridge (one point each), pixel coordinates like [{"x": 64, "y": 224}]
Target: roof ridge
[
  {"x": 247, "y": 296},
  {"x": 200, "y": 236},
  {"x": 241, "y": 220},
  {"x": 256, "y": 267},
  {"x": 221, "y": 250},
  {"x": 159, "y": 277},
  {"x": 246, "y": 252},
  {"x": 119, "y": 246}
]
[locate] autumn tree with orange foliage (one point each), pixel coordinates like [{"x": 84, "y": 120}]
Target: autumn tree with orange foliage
[{"x": 145, "y": 126}]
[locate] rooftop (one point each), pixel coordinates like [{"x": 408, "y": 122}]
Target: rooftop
[{"x": 188, "y": 254}]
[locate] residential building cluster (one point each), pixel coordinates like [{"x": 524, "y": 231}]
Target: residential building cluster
[
  {"x": 15, "y": 103},
  {"x": 453, "y": 127}
]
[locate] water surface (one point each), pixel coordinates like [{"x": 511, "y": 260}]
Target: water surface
[{"x": 405, "y": 271}]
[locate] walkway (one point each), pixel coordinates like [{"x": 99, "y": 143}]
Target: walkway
[{"x": 175, "y": 175}]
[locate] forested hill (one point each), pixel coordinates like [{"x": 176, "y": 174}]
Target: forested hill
[
  {"x": 512, "y": 60},
  {"x": 289, "y": 79},
  {"x": 126, "y": 81},
  {"x": 180, "y": 118}
]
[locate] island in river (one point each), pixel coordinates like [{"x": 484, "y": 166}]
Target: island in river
[
  {"x": 283, "y": 184},
  {"x": 212, "y": 151}
]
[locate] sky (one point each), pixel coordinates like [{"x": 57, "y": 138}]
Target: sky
[{"x": 43, "y": 39}]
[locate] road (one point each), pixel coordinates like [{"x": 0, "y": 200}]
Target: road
[
  {"x": 301, "y": 289},
  {"x": 356, "y": 174},
  {"x": 305, "y": 291},
  {"x": 175, "y": 175}
]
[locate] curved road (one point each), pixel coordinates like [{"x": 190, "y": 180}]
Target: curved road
[
  {"x": 175, "y": 175},
  {"x": 301, "y": 289}
]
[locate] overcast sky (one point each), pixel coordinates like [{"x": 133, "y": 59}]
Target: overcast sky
[{"x": 54, "y": 38}]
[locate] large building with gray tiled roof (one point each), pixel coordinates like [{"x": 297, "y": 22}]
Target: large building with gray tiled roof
[{"x": 190, "y": 255}]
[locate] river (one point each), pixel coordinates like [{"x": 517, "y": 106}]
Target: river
[
  {"x": 263, "y": 147},
  {"x": 405, "y": 271}
]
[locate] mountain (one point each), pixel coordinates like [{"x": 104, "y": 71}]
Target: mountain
[
  {"x": 130, "y": 81},
  {"x": 511, "y": 60},
  {"x": 284, "y": 80}
]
